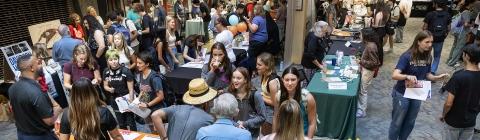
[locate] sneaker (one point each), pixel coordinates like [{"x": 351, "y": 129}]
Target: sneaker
[
  {"x": 476, "y": 131},
  {"x": 361, "y": 114}
]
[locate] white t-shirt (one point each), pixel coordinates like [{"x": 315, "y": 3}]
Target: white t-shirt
[
  {"x": 395, "y": 12},
  {"x": 226, "y": 37},
  {"x": 123, "y": 58},
  {"x": 131, "y": 26}
]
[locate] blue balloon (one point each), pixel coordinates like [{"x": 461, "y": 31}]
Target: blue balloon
[{"x": 233, "y": 20}]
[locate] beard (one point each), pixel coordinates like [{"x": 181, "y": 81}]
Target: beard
[{"x": 38, "y": 73}]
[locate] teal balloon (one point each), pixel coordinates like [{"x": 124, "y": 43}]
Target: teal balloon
[{"x": 233, "y": 20}]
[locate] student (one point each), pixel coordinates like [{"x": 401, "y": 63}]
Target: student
[
  {"x": 251, "y": 107},
  {"x": 88, "y": 117},
  {"x": 461, "y": 107},
  {"x": 126, "y": 56},
  {"x": 289, "y": 123},
  {"x": 82, "y": 65},
  {"x": 118, "y": 83},
  {"x": 218, "y": 71},
  {"x": 291, "y": 89},
  {"x": 438, "y": 23},
  {"x": 413, "y": 65},
  {"x": 192, "y": 52},
  {"x": 270, "y": 87}
]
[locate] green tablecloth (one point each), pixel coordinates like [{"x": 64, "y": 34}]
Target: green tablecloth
[
  {"x": 336, "y": 109},
  {"x": 194, "y": 27}
]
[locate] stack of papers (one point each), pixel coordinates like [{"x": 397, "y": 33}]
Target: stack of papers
[
  {"x": 197, "y": 65},
  {"x": 130, "y": 136}
]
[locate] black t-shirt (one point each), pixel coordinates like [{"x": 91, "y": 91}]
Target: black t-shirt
[
  {"x": 118, "y": 80},
  {"x": 464, "y": 85},
  {"x": 147, "y": 22},
  {"x": 107, "y": 123},
  {"x": 204, "y": 9},
  {"x": 315, "y": 49},
  {"x": 30, "y": 105},
  {"x": 436, "y": 16}
]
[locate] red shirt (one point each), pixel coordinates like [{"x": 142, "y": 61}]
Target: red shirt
[
  {"x": 250, "y": 7},
  {"x": 76, "y": 33}
]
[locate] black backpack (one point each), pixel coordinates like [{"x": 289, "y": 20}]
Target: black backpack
[
  {"x": 169, "y": 97},
  {"x": 439, "y": 24},
  {"x": 159, "y": 20}
]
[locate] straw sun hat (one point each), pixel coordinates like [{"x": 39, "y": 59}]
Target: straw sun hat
[{"x": 198, "y": 92}]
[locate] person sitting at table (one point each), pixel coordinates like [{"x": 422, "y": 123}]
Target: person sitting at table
[
  {"x": 192, "y": 52},
  {"x": 225, "y": 37},
  {"x": 316, "y": 47},
  {"x": 126, "y": 54},
  {"x": 225, "y": 108},
  {"x": 258, "y": 36},
  {"x": 82, "y": 65},
  {"x": 372, "y": 59},
  {"x": 218, "y": 71},
  {"x": 289, "y": 123},
  {"x": 150, "y": 89},
  {"x": 87, "y": 117},
  {"x": 270, "y": 86},
  {"x": 251, "y": 107},
  {"x": 118, "y": 83},
  {"x": 185, "y": 120},
  {"x": 291, "y": 89},
  {"x": 413, "y": 65}
]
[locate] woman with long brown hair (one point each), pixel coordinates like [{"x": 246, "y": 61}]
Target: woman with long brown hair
[
  {"x": 83, "y": 65},
  {"x": 218, "y": 71},
  {"x": 413, "y": 65},
  {"x": 87, "y": 117},
  {"x": 289, "y": 123},
  {"x": 251, "y": 107},
  {"x": 291, "y": 89}
]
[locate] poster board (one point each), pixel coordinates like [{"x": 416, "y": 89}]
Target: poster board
[
  {"x": 45, "y": 33},
  {"x": 12, "y": 52}
]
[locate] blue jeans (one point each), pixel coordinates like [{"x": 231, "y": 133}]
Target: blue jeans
[
  {"x": 437, "y": 52},
  {"x": 47, "y": 136},
  {"x": 404, "y": 113}
]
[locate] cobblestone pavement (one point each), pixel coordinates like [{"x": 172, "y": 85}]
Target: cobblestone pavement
[{"x": 428, "y": 127}]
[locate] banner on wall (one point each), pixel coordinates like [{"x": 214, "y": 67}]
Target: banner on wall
[
  {"x": 12, "y": 52},
  {"x": 45, "y": 33}
]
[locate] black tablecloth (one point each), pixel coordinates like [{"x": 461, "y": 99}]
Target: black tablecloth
[
  {"x": 179, "y": 78},
  {"x": 240, "y": 54},
  {"x": 340, "y": 46}
]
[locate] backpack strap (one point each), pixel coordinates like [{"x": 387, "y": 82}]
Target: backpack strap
[{"x": 251, "y": 99}]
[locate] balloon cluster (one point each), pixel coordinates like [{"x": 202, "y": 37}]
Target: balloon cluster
[{"x": 235, "y": 25}]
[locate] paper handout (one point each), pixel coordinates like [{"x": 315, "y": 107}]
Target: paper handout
[{"x": 419, "y": 91}]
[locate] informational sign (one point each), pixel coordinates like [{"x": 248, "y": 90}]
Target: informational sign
[
  {"x": 12, "y": 52},
  {"x": 45, "y": 32}
]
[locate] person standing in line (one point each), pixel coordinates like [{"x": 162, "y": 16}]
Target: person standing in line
[
  {"x": 63, "y": 49},
  {"x": 225, "y": 108},
  {"x": 405, "y": 10},
  {"x": 97, "y": 43},
  {"x": 413, "y": 65},
  {"x": 370, "y": 62},
  {"x": 438, "y": 23},
  {"x": 185, "y": 120},
  {"x": 393, "y": 21},
  {"x": 461, "y": 107},
  {"x": 33, "y": 109}
]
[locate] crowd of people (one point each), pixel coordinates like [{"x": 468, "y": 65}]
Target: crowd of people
[{"x": 95, "y": 63}]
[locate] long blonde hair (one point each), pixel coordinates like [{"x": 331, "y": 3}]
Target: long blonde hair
[
  {"x": 83, "y": 111},
  {"x": 123, "y": 46},
  {"x": 169, "y": 30},
  {"x": 289, "y": 123}
]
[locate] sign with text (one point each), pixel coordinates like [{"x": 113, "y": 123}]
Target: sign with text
[{"x": 12, "y": 52}]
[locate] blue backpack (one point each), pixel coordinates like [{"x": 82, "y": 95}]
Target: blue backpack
[{"x": 120, "y": 29}]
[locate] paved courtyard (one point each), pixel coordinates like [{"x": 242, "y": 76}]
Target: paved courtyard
[{"x": 428, "y": 127}]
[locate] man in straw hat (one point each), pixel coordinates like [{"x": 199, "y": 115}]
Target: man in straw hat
[{"x": 185, "y": 120}]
